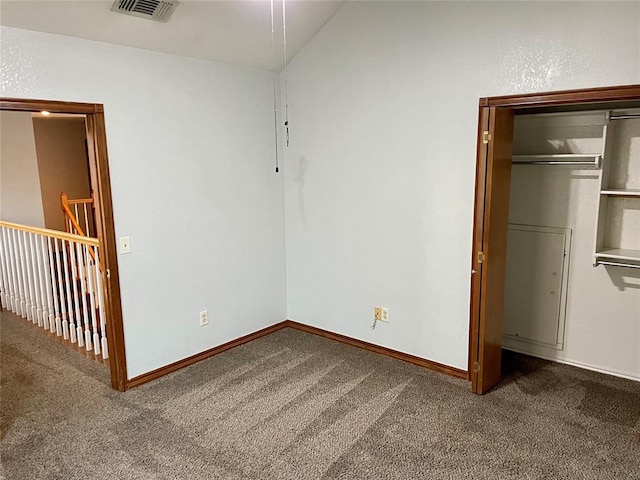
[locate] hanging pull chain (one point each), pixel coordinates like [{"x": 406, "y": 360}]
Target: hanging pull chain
[
  {"x": 275, "y": 101},
  {"x": 286, "y": 83}
]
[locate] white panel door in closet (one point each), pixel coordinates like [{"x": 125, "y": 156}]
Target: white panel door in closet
[{"x": 535, "y": 291}]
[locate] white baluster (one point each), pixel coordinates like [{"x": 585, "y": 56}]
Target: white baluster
[
  {"x": 4, "y": 283},
  {"x": 6, "y": 271},
  {"x": 34, "y": 274},
  {"x": 63, "y": 298},
  {"x": 26, "y": 274},
  {"x": 75, "y": 209},
  {"x": 69, "y": 319},
  {"x": 92, "y": 299},
  {"x": 15, "y": 289},
  {"x": 17, "y": 245},
  {"x": 8, "y": 261},
  {"x": 54, "y": 309},
  {"x": 81, "y": 261},
  {"x": 47, "y": 304},
  {"x": 103, "y": 326},
  {"x": 17, "y": 248},
  {"x": 42, "y": 275},
  {"x": 77, "y": 313},
  {"x": 30, "y": 277},
  {"x": 25, "y": 301},
  {"x": 73, "y": 311},
  {"x": 86, "y": 221}
]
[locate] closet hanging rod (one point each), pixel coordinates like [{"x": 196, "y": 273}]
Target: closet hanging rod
[
  {"x": 556, "y": 159},
  {"x": 616, "y": 264},
  {"x": 624, "y": 116}
]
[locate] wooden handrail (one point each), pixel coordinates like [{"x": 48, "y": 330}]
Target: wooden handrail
[
  {"x": 79, "y": 200},
  {"x": 93, "y": 242}
]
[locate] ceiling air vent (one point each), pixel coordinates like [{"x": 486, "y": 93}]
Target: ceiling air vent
[{"x": 157, "y": 10}]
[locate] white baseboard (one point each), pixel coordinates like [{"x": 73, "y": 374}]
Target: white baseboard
[{"x": 616, "y": 373}]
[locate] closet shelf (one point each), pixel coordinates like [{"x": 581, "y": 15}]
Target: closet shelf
[
  {"x": 619, "y": 254},
  {"x": 568, "y": 159},
  {"x": 621, "y": 192}
]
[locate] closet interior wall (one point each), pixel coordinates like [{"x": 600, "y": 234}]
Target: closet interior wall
[{"x": 558, "y": 305}]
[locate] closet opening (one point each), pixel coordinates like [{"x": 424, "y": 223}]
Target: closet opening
[{"x": 556, "y": 249}]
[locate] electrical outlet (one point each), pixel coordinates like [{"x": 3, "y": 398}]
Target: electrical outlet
[
  {"x": 125, "y": 245},
  {"x": 204, "y": 318},
  {"x": 381, "y": 314}
]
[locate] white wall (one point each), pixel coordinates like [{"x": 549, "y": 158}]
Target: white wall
[
  {"x": 191, "y": 158},
  {"x": 20, "y": 200},
  {"x": 602, "y": 325},
  {"x": 379, "y": 178}
]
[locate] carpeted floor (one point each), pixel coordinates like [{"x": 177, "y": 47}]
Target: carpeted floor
[{"x": 296, "y": 406}]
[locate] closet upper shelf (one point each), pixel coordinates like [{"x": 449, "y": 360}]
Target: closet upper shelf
[
  {"x": 570, "y": 159},
  {"x": 622, "y": 255},
  {"x": 633, "y": 193}
]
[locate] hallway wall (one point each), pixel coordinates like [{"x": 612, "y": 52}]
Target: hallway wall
[
  {"x": 190, "y": 146},
  {"x": 20, "y": 200}
]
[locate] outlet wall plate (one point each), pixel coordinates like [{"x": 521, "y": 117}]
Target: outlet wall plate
[
  {"x": 204, "y": 318},
  {"x": 125, "y": 245},
  {"x": 381, "y": 314}
]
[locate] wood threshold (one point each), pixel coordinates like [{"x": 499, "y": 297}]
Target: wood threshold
[
  {"x": 185, "y": 362},
  {"x": 405, "y": 357}
]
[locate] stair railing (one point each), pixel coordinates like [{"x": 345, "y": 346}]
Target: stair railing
[
  {"x": 71, "y": 210},
  {"x": 53, "y": 279},
  {"x": 78, "y": 215}
]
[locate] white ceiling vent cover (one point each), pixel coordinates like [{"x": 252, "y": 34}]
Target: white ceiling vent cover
[{"x": 157, "y": 10}]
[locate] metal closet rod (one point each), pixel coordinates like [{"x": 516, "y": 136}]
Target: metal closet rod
[
  {"x": 616, "y": 264},
  {"x": 624, "y": 116},
  {"x": 538, "y": 160}
]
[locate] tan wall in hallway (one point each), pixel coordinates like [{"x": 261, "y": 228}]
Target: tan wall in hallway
[
  {"x": 62, "y": 164},
  {"x": 20, "y": 200}
]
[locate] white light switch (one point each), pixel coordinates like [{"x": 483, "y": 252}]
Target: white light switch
[{"x": 125, "y": 245}]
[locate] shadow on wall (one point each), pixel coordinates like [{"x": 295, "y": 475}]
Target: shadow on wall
[
  {"x": 300, "y": 176},
  {"x": 624, "y": 278}
]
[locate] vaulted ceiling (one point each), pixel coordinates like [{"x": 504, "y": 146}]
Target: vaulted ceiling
[{"x": 236, "y": 32}]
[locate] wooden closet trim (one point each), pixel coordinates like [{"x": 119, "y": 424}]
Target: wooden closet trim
[
  {"x": 53, "y": 106},
  {"x": 97, "y": 142},
  {"x": 525, "y": 103},
  {"x": 565, "y": 97}
]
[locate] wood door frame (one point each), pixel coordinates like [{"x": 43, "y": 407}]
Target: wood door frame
[
  {"x": 97, "y": 147},
  {"x": 527, "y": 103}
]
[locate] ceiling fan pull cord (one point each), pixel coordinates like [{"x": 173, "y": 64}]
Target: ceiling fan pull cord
[
  {"x": 286, "y": 80},
  {"x": 275, "y": 101}
]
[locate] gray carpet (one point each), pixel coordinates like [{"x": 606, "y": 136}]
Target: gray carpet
[{"x": 296, "y": 406}]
